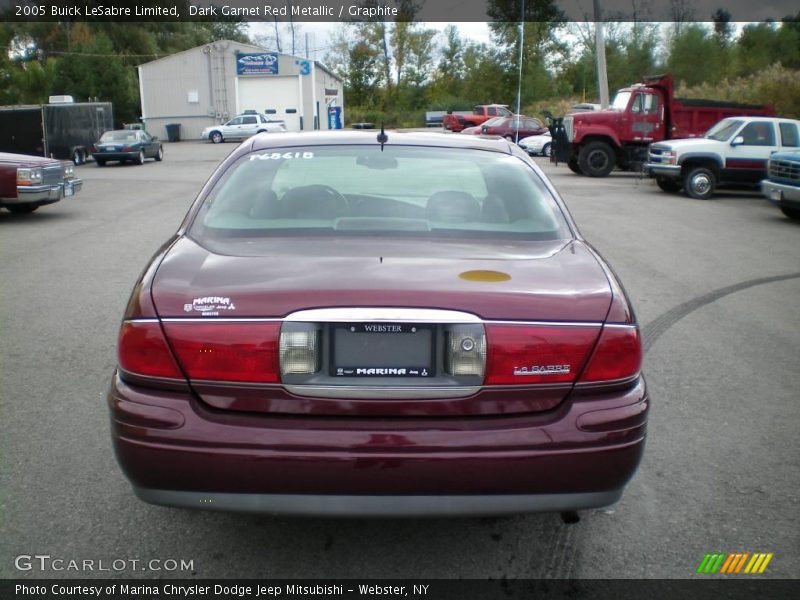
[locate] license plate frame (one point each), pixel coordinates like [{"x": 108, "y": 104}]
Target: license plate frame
[{"x": 383, "y": 350}]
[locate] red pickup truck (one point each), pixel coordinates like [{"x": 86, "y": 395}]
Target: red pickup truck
[
  {"x": 644, "y": 113},
  {"x": 480, "y": 113}
]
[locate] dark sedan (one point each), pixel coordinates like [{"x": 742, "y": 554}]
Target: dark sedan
[
  {"x": 124, "y": 145},
  {"x": 336, "y": 328},
  {"x": 513, "y": 128}
]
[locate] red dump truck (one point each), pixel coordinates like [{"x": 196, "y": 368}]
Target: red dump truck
[
  {"x": 483, "y": 112},
  {"x": 641, "y": 114}
]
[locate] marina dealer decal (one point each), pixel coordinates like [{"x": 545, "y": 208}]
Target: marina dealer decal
[
  {"x": 256, "y": 63},
  {"x": 210, "y": 306}
]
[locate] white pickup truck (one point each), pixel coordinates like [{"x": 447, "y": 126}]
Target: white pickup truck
[{"x": 734, "y": 152}]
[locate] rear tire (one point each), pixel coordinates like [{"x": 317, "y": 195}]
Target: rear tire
[
  {"x": 547, "y": 150},
  {"x": 596, "y": 159},
  {"x": 100, "y": 162},
  {"x": 140, "y": 158},
  {"x": 699, "y": 183},
  {"x": 160, "y": 154},
  {"x": 668, "y": 185},
  {"x": 573, "y": 165},
  {"x": 792, "y": 213},
  {"x": 78, "y": 158},
  {"x": 22, "y": 209}
]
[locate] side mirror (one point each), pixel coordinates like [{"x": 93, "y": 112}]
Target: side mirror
[
  {"x": 154, "y": 138},
  {"x": 737, "y": 141}
]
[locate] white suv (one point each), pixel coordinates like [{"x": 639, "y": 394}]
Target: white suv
[
  {"x": 735, "y": 151},
  {"x": 242, "y": 127}
]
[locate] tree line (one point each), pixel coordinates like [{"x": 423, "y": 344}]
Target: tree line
[{"x": 394, "y": 71}]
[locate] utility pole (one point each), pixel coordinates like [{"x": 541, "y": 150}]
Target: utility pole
[{"x": 600, "y": 52}]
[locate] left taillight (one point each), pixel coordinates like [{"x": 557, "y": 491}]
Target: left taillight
[
  {"x": 230, "y": 352},
  {"x": 143, "y": 351}
]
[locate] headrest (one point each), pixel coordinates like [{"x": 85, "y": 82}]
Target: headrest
[
  {"x": 314, "y": 202},
  {"x": 452, "y": 206}
]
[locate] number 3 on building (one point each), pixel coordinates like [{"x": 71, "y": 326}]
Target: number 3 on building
[{"x": 305, "y": 67}]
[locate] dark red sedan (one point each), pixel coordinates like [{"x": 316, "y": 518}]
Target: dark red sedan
[
  {"x": 514, "y": 127},
  {"x": 352, "y": 324}
]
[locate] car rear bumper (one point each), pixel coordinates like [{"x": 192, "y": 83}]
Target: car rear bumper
[
  {"x": 781, "y": 193},
  {"x": 381, "y": 506},
  {"x": 116, "y": 155},
  {"x": 177, "y": 451}
]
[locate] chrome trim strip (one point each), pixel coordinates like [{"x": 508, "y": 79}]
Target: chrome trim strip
[
  {"x": 621, "y": 326},
  {"x": 399, "y": 393},
  {"x": 473, "y": 320},
  {"x": 302, "y": 389},
  {"x": 141, "y": 321},
  {"x": 548, "y": 323},
  {"x": 222, "y": 320},
  {"x": 376, "y": 314}
]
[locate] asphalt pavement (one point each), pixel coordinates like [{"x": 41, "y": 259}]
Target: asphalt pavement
[{"x": 716, "y": 287}]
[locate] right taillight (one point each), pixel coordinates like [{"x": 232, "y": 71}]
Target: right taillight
[
  {"x": 529, "y": 354},
  {"x": 618, "y": 355}
]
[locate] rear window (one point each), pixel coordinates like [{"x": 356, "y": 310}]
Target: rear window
[{"x": 361, "y": 190}]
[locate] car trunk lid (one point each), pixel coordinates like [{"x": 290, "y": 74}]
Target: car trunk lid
[{"x": 557, "y": 289}]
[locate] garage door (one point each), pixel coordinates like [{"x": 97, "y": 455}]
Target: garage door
[{"x": 277, "y": 97}]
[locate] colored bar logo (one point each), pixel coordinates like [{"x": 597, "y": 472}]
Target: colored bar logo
[{"x": 734, "y": 563}]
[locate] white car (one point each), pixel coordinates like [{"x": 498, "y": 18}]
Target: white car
[
  {"x": 242, "y": 127},
  {"x": 537, "y": 144}
]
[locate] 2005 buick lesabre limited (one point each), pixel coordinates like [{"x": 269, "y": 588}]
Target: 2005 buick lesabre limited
[{"x": 407, "y": 324}]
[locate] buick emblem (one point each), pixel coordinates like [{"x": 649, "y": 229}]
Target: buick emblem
[{"x": 467, "y": 344}]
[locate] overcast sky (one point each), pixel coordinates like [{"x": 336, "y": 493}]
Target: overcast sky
[{"x": 319, "y": 33}]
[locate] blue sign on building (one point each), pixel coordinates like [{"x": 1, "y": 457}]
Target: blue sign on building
[{"x": 257, "y": 63}]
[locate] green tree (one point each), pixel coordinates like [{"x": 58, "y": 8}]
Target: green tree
[
  {"x": 694, "y": 56},
  {"x": 542, "y": 22}
]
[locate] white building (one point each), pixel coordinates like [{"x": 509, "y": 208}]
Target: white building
[{"x": 212, "y": 83}]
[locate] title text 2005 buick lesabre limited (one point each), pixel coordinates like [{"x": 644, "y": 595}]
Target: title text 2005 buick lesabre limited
[{"x": 337, "y": 328}]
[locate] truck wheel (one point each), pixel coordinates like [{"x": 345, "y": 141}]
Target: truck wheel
[
  {"x": 596, "y": 159},
  {"x": 547, "y": 150},
  {"x": 215, "y": 137},
  {"x": 22, "y": 209},
  {"x": 699, "y": 183},
  {"x": 792, "y": 213},
  {"x": 573, "y": 165},
  {"x": 668, "y": 185},
  {"x": 77, "y": 157}
]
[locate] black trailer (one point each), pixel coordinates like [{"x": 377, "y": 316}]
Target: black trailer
[{"x": 64, "y": 130}]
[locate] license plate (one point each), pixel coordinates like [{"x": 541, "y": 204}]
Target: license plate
[
  {"x": 68, "y": 190},
  {"x": 382, "y": 350},
  {"x": 776, "y": 195}
]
